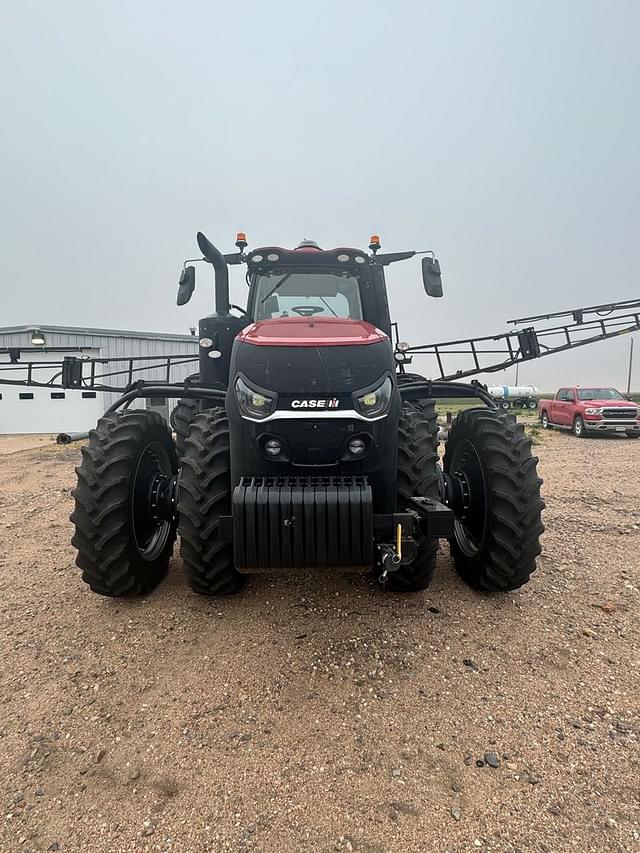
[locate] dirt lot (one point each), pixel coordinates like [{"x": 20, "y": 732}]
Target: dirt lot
[{"x": 319, "y": 715}]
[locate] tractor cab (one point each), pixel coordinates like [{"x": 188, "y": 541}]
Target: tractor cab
[
  {"x": 304, "y": 283},
  {"x": 311, "y": 282}
]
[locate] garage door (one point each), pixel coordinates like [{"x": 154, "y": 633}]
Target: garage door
[{"x": 46, "y": 410}]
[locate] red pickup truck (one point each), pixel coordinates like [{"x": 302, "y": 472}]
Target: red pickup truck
[{"x": 585, "y": 410}]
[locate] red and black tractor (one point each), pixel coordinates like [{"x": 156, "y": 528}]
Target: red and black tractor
[{"x": 303, "y": 443}]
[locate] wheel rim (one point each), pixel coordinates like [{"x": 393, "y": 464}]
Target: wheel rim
[
  {"x": 468, "y": 481},
  {"x": 152, "y": 474},
  {"x": 545, "y": 420},
  {"x": 578, "y": 427}
]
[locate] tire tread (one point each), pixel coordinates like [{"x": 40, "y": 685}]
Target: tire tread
[
  {"x": 107, "y": 554},
  {"x": 205, "y": 495},
  {"x": 417, "y": 476},
  {"x": 508, "y": 557}
]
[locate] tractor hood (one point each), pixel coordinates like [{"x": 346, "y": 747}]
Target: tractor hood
[
  {"x": 311, "y": 332},
  {"x": 296, "y": 356}
]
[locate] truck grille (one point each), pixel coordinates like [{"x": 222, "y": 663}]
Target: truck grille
[{"x": 620, "y": 414}]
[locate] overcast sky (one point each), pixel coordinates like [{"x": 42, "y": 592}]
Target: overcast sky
[{"x": 504, "y": 135}]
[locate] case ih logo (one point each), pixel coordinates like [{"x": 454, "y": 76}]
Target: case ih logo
[{"x": 332, "y": 403}]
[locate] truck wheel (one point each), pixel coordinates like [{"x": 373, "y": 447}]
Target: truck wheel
[
  {"x": 532, "y": 404},
  {"x": 124, "y": 543},
  {"x": 204, "y": 494},
  {"x": 417, "y": 476},
  {"x": 578, "y": 427},
  {"x": 181, "y": 417},
  {"x": 494, "y": 489},
  {"x": 505, "y": 404},
  {"x": 544, "y": 420}
]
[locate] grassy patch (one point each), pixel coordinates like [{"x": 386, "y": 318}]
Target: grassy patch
[{"x": 455, "y": 405}]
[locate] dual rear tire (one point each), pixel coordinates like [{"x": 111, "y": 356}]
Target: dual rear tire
[
  {"x": 417, "y": 476},
  {"x": 181, "y": 416},
  {"x": 124, "y": 533},
  {"x": 184, "y": 412},
  {"x": 491, "y": 480},
  {"x": 204, "y": 496},
  {"x": 493, "y": 483},
  {"x": 123, "y": 541}
]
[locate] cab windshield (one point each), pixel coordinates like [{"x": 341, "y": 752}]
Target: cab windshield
[
  {"x": 306, "y": 294},
  {"x": 599, "y": 394}
]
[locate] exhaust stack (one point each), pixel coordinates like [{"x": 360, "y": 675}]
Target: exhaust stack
[{"x": 215, "y": 257}]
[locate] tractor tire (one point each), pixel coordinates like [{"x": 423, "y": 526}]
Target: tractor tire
[
  {"x": 499, "y": 514},
  {"x": 123, "y": 547},
  {"x": 184, "y": 412},
  {"x": 181, "y": 416},
  {"x": 204, "y": 495},
  {"x": 417, "y": 476},
  {"x": 407, "y": 379}
]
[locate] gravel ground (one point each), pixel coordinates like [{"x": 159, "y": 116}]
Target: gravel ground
[
  {"x": 315, "y": 714},
  {"x": 11, "y": 443}
]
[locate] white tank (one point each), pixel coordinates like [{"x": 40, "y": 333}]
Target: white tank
[{"x": 511, "y": 392}]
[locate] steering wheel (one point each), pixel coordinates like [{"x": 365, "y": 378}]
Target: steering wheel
[{"x": 308, "y": 310}]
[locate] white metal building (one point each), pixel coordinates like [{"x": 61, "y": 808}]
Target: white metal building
[{"x": 47, "y": 410}]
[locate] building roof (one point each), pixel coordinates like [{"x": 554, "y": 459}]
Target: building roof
[{"x": 85, "y": 330}]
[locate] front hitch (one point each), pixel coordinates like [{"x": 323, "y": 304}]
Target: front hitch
[{"x": 390, "y": 560}]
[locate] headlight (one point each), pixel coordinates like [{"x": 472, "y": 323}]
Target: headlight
[
  {"x": 592, "y": 411},
  {"x": 252, "y": 403},
  {"x": 376, "y": 402}
]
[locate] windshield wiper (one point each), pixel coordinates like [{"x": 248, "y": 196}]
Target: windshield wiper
[
  {"x": 322, "y": 299},
  {"x": 276, "y": 286}
]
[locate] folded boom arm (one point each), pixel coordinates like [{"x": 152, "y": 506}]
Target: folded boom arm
[{"x": 492, "y": 353}]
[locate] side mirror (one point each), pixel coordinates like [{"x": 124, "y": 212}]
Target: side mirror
[
  {"x": 186, "y": 285},
  {"x": 431, "y": 276}
]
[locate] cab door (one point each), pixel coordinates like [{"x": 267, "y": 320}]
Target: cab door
[
  {"x": 561, "y": 408},
  {"x": 570, "y": 407}
]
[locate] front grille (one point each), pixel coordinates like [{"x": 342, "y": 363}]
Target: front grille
[
  {"x": 316, "y": 442},
  {"x": 620, "y": 414}
]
